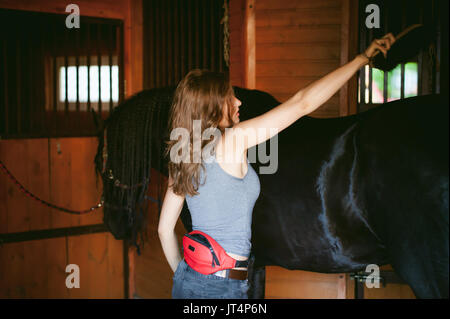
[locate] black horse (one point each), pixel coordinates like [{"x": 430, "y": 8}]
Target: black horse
[{"x": 370, "y": 188}]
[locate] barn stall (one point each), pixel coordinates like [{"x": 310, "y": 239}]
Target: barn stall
[{"x": 51, "y": 199}]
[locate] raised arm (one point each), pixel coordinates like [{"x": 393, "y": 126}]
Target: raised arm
[
  {"x": 170, "y": 211},
  {"x": 306, "y": 100}
]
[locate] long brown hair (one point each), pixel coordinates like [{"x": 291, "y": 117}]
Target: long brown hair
[{"x": 200, "y": 95}]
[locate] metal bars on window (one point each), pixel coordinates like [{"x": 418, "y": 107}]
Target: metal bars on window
[
  {"x": 52, "y": 76},
  {"x": 415, "y": 77}
]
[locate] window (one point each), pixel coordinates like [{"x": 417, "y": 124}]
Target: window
[
  {"x": 381, "y": 86},
  {"x": 52, "y": 77},
  {"x": 92, "y": 87},
  {"x": 418, "y": 76}
]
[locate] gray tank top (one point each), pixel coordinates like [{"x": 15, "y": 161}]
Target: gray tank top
[{"x": 223, "y": 208}]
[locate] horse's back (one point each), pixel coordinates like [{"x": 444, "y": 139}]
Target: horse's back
[{"x": 403, "y": 180}]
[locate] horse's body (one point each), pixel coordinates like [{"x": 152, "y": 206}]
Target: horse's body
[
  {"x": 371, "y": 188},
  {"x": 365, "y": 189}
]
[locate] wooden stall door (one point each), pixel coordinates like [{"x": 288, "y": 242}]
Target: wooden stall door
[{"x": 60, "y": 171}]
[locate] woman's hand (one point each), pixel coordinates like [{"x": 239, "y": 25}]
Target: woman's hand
[{"x": 380, "y": 45}]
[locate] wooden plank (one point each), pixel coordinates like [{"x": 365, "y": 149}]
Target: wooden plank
[
  {"x": 349, "y": 49},
  {"x": 296, "y": 51},
  {"x": 297, "y": 42},
  {"x": 294, "y": 34},
  {"x": 130, "y": 271},
  {"x": 249, "y": 45},
  {"x": 391, "y": 291},
  {"x": 345, "y": 47},
  {"x": 85, "y": 192},
  {"x": 295, "y": 4},
  {"x": 72, "y": 181},
  {"x": 341, "y": 286},
  {"x": 37, "y": 269},
  {"x": 283, "y": 283},
  {"x": 65, "y": 172},
  {"x": 236, "y": 20},
  {"x": 15, "y": 156},
  {"x": 60, "y": 182},
  {"x": 298, "y": 17},
  {"x": 284, "y": 84},
  {"x": 100, "y": 8},
  {"x": 5, "y": 185},
  {"x": 33, "y": 269},
  {"x": 235, "y": 42},
  {"x": 11, "y": 271},
  {"x": 55, "y": 262},
  {"x": 51, "y": 233},
  {"x": 281, "y": 68},
  {"x": 133, "y": 41},
  {"x": 71, "y": 175},
  {"x": 99, "y": 257},
  {"x": 115, "y": 267}
]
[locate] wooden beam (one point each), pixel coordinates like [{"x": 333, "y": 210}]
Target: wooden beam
[
  {"x": 249, "y": 45},
  {"x": 133, "y": 65},
  {"x": 133, "y": 51},
  {"x": 342, "y": 287},
  {"x": 100, "y": 8},
  {"x": 349, "y": 49},
  {"x": 51, "y": 233}
]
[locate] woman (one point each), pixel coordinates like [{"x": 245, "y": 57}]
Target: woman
[{"x": 221, "y": 204}]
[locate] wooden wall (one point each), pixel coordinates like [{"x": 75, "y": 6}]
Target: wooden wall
[
  {"x": 236, "y": 23},
  {"x": 297, "y": 42},
  {"x": 289, "y": 45},
  {"x": 61, "y": 171}
]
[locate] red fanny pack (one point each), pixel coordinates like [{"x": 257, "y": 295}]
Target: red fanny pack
[{"x": 203, "y": 254}]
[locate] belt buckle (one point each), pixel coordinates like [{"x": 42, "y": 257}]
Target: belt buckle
[
  {"x": 231, "y": 273},
  {"x": 221, "y": 273}
]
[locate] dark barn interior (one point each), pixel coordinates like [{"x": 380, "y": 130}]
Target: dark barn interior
[{"x": 55, "y": 80}]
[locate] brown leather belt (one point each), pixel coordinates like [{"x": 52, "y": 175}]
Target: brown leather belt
[
  {"x": 236, "y": 274},
  {"x": 232, "y": 273}
]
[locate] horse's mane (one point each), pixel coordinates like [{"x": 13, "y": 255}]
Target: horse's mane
[{"x": 134, "y": 143}]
